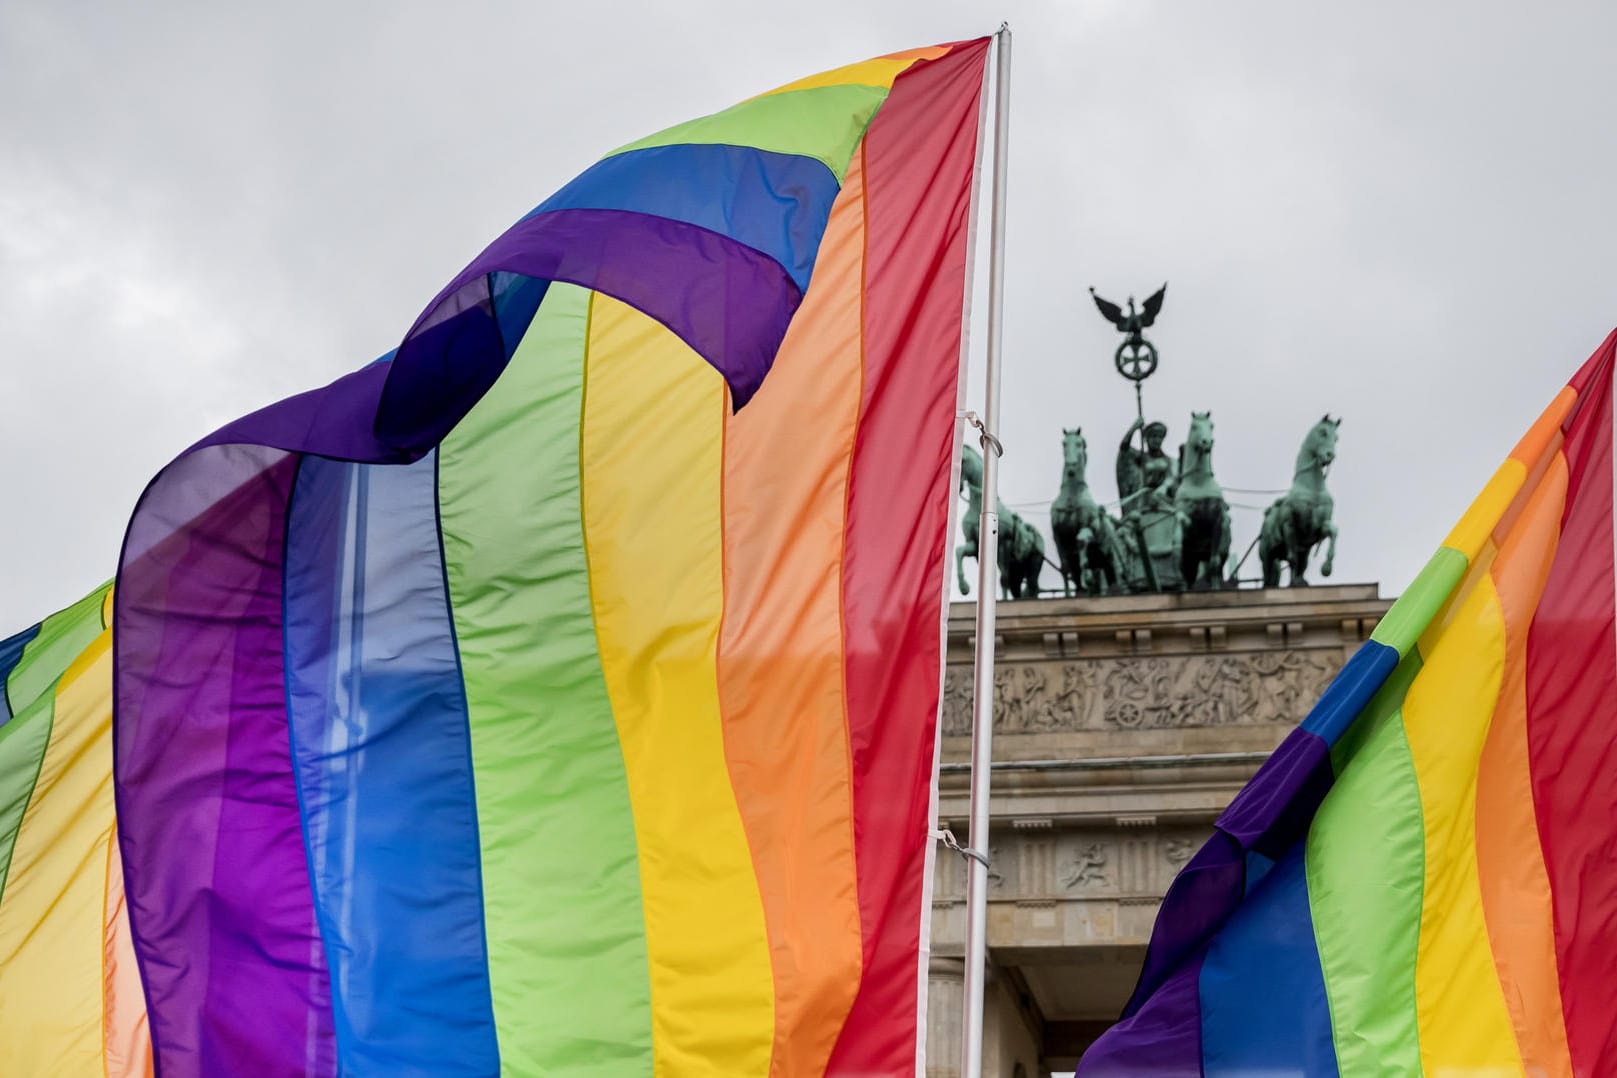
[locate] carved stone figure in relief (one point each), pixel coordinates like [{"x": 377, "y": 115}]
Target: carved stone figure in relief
[
  {"x": 1178, "y": 850},
  {"x": 1087, "y": 868}
]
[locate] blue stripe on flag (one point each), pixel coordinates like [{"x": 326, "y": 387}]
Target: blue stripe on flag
[
  {"x": 1352, "y": 688},
  {"x": 379, "y": 732},
  {"x": 10, "y": 654},
  {"x": 776, "y": 203},
  {"x": 1263, "y": 1001}
]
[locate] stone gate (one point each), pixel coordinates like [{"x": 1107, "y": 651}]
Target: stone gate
[{"x": 1122, "y": 727}]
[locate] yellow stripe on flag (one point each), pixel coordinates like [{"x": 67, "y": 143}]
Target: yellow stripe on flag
[{"x": 652, "y": 469}]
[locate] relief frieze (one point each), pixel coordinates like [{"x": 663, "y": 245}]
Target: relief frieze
[
  {"x": 1274, "y": 687},
  {"x": 1087, "y": 868}
]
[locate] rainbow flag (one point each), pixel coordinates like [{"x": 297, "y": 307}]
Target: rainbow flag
[
  {"x": 557, "y": 694},
  {"x": 70, "y": 992},
  {"x": 1423, "y": 878}
]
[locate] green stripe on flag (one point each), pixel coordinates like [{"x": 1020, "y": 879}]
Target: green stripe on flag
[
  {"x": 1401, "y": 626},
  {"x": 1366, "y": 865},
  {"x": 569, "y": 978},
  {"x": 825, "y": 123},
  {"x": 31, "y": 688}
]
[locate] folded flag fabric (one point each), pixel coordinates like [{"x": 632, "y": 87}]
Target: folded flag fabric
[
  {"x": 70, "y": 993},
  {"x": 1423, "y": 878},
  {"x": 557, "y": 694}
]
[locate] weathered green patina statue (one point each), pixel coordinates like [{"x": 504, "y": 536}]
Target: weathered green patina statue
[
  {"x": 1021, "y": 556},
  {"x": 1301, "y": 518},
  {"x": 1085, "y": 536},
  {"x": 1136, "y": 357},
  {"x": 1150, "y": 530},
  {"x": 971, "y": 485},
  {"x": 1204, "y": 514},
  {"x": 1020, "y": 546},
  {"x": 1140, "y": 468}
]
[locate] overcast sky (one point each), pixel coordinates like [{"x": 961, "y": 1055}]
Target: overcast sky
[{"x": 1402, "y": 214}]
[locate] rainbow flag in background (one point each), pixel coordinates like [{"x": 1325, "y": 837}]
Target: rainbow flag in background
[
  {"x": 70, "y": 993},
  {"x": 1423, "y": 878},
  {"x": 557, "y": 694}
]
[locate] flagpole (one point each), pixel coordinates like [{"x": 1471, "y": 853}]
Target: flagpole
[{"x": 982, "y": 731}]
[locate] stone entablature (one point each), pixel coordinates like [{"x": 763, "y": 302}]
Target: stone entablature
[
  {"x": 1218, "y": 689},
  {"x": 1123, "y": 727},
  {"x": 1193, "y": 672}
]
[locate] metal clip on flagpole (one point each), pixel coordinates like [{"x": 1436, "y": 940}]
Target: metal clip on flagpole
[
  {"x": 989, "y": 442},
  {"x": 982, "y": 730},
  {"x": 946, "y": 836}
]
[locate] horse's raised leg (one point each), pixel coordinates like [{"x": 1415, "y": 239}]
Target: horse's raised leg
[
  {"x": 1330, "y": 550},
  {"x": 966, "y": 550}
]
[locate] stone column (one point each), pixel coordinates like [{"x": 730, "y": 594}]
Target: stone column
[{"x": 945, "y": 1003}]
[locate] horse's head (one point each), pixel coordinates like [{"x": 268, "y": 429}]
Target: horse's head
[
  {"x": 1200, "y": 437},
  {"x": 1319, "y": 448},
  {"x": 971, "y": 468},
  {"x": 1075, "y": 452}
]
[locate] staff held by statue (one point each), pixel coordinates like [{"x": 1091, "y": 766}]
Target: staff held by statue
[{"x": 1142, "y": 472}]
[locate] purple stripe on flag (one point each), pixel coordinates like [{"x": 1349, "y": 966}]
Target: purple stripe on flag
[
  {"x": 1198, "y": 901},
  {"x": 1274, "y": 810},
  {"x": 215, "y": 871},
  {"x": 729, "y": 302},
  {"x": 1161, "y": 1040},
  {"x": 1269, "y": 814},
  {"x": 336, "y": 420}
]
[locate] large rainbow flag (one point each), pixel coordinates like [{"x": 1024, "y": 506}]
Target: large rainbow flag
[
  {"x": 558, "y": 693},
  {"x": 1423, "y": 878}
]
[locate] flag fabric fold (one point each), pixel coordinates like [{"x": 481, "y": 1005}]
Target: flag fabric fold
[
  {"x": 557, "y": 694},
  {"x": 70, "y": 995},
  {"x": 1422, "y": 879}
]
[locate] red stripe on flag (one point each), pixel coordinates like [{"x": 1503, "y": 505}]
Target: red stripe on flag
[
  {"x": 918, "y": 158},
  {"x": 1572, "y": 729}
]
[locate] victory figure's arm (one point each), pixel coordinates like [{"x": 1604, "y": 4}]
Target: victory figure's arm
[{"x": 1130, "y": 464}]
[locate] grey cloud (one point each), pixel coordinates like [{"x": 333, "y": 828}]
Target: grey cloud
[{"x": 1397, "y": 213}]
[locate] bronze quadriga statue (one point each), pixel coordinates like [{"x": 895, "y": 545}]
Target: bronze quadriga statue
[
  {"x": 1020, "y": 546},
  {"x": 1173, "y": 530},
  {"x": 1301, "y": 519},
  {"x": 1202, "y": 513},
  {"x": 1087, "y": 547}
]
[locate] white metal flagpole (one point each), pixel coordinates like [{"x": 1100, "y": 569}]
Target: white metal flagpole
[{"x": 982, "y": 731}]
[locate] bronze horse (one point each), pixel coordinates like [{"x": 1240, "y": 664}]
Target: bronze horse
[
  {"x": 1301, "y": 518},
  {"x": 1085, "y": 536},
  {"x": 1020, "y": 546},
  {"x": 1204, "y": 514}
]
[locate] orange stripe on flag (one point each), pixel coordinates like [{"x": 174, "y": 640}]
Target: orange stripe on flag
[
  {"x": 1510, "y": 864},
  {"x": 781, "y": 647},
  {"x": 124, "y": 1036}
]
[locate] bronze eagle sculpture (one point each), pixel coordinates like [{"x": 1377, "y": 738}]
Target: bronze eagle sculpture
[{"x": 1134, "y": 321}]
